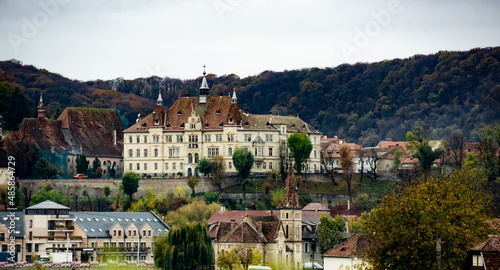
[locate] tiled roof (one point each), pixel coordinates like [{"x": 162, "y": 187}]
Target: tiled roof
[
  {"x": 98, "y": 224},
  {"x": 490, "y": 251},
  {"x": 249, "y": 229},
  {"x": 384, "y": 144},
  {"x": 356, "y": 246},
  {"x": 47, "y": 205},
  {"x": 46, "y": 133},
  {"x": 93, "y": 130},
  {"x": 291, "y": 199},
  {"x": 315, "y": 207},
  {"x": 333, "y": 151}
]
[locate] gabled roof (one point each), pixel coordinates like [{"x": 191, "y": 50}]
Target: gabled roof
[
  {"x": 315, "y": 207},
  {"x": 47, "y": 205},
  {"x": 46, "y": 133},
  {"x": 356, "y": 246},
  {"x": 490, "y": 251},
  {"x": 250, "y": 229},
  {"x": 99, "y": 224}
]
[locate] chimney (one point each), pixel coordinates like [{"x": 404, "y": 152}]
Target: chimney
[
  {"x": 291, "y": 114},
  {"x": 114, "y": 137},
  {"x": 187, "y": 95},
  {"x": 259, "y": 226},
  {"x": 389, "y": 139},
  {"x": 220, "y": 95},
  {"x": 233, "y": 223}
]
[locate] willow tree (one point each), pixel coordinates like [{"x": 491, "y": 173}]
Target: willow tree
[{"x": 184, "y": 247}]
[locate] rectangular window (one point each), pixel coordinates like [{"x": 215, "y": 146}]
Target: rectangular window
[
  {"x": 145, "y": 152},
  {"x": 130, "y": 166},
  {"x": 114, "y": 232},
  {"x": 143, "y": 232},
  {"x": 230, "y": 151},
  {"x": 181, "y": 166},
  {"x": 270, "y": 165},
  {"x": 130, "y": 139},
  {"x": 230, "y": 138},
  {"x": 156, "y": 152},
  {"x": 138, "y": 139},
  {"x": 36, "y": 247},
  {"x": 477, "y": 260},
  {"x": 31, "y": 223},
  {"x": 306, "y": 247},
  {"x": 113, "y": 244},
  {"x": 145, "y": 166},
  {"x": 166, "y": 166},
  {"x": 138, "y": 166},
  {"x": 145, "y": 139},
  {"x": 230, "y": 166},
  {"x": 218, "y": 138},
  {"x": 119, "y": 233},
  {"x": 120, "y": 244},
  {"x": 248, "y": 138},
  {"x": 208, "y": 138},
  {"x": 138, "y": 152},
  {"x": 168, "y": 138},
  {"x": 134, "y": 232},
  {"x": 270, "y": 152},
  {"x": 156, "y": 166},
  {"x": 149, "y": 232},
  {"x": 269, "y": 138},
  {"x": 173, "y": 166},
  {"x": 264, "y": 165},
  {"x": 130, "y": 153},
  {"x": 179, "y": 138}
]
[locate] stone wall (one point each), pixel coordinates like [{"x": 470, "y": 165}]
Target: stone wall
[{"x": 250, "y": 198}]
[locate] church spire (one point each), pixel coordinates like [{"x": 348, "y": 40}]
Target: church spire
[
  {"x": 159, "y": 101},
  {"x": 291, "y": 199},
  {"x": 204, "y": 90},
  {"x": 234, "y": 99},
  {"x": 40, "y": 109}
]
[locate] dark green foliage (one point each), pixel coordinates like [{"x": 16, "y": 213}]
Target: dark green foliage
[
  {"x": 330, "y": 232},
  {"x": 47, "y": 192},
  {"x": 45, "y": 169},
  {"x": 184, "y": 246},
  {"x": 419, "y": 144},
  {"x": 488, "y": 146},
  {"x": 243, "y": 162},
  {"x": 204, "y": 166},
  {"x": 82, "y": 163},
  {"x": 211, "y": 197},
  {"x": 130, "y": 182},
  {"x": 300, "y": 146}
]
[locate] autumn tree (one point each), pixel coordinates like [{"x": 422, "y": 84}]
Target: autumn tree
[
  {"x": 403, "y": 231},
  {"x": 330, "y": 232},
  {"x": 228, "y": 260},
  {"x": 130, "y": 183},
  {"x": 300, "y": 147},
  {"x": 186, "y": 246},
  {"x": 85, "y": 193},
  {"x": 193, "y": 182},
  {"x": 277, "y": 197},
  {"x": 347, "y": 164},
  {"x": 243, "y": 162},
  {"x": 218, "y": 169},
  {"x": 248, "y": 256},
  {"x": 327, "y": 160},
  {"x": 418, "y": 141},
  {"x": 196, "y": 211},
  {"x": 24, "y": 149},
  {"x": 373, "y": 158}
]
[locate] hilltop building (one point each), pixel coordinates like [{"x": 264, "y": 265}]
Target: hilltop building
[
  {"x": 90, "y": 131},
  {"x": 173, "y": 139},
  {"x": 90, "y": 236}
]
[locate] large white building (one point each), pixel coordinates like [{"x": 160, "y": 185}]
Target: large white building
[{"x": 173, "y": 139}]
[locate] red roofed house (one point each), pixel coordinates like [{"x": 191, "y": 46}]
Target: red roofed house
[
  {"x": 350, "y": 253},
  {"x": 93, "y": 132},
  {"x": 174, "y": 139},
  {"x": 485, "y": 256}
]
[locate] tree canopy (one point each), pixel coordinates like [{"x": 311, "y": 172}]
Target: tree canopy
[
  {"x": 402, "y": 233},
  {"x": 330, "y": 232},
  {"x": 300, "y": 146},
  {"x": 130, "y": 182},
  {"x": 47, "y": 192},
  {"x": 419, "y": 143},
  {"x": 243, "y": 161}
]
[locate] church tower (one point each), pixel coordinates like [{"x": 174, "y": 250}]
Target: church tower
[
  {"x": 204, "y": 90},
  {"x": 291, "y": 218},
  {"x": 40, "y": 109}
]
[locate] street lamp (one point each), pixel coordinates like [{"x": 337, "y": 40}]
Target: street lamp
[{"x": 67, "y": 243}]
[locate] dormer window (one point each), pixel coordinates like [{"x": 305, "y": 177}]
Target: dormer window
[
  {"x": 218, "y": 111},
  {"x": 221, "y": 124},
  {"x": 157, "y": 121},
  {"x": 168, "y": 125},
  {"x": 206, "y": 125},
  {"x": 182, "y": 125},
  {"x": 246, "y": 123},
  {"x": 193, "y": 126},
  {"x": 179, "y": 112},
  {"x": 230, "y": 120}
]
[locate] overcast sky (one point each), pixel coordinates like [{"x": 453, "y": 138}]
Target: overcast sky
[{"x": 99, "y": 39}]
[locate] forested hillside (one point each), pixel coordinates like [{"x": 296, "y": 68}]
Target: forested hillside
[{"x": 363, "y": 103}]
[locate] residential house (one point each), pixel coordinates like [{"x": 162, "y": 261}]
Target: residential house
[
  {"x": 349, "y": 253},
  {"x": 485, "y": 255}
]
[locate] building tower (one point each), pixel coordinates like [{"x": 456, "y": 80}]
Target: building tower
[
  {"x": 234, "y": 99},
  {"x": 291, "y": 218},
  {"x": 204, "y": 90},
  {"x": 159, "y": 101},
  {"x": 40, "y": 109}
]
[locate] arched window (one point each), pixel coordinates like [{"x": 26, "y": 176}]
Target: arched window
[
  {"x": 190, "y": 158},
  {"x": 196, "y": 158}
]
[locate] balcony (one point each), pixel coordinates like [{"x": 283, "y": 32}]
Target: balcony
[{"x": 59, "y": 238}]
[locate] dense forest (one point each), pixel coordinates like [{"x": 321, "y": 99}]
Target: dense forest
[{"x": 363, "y": 103}]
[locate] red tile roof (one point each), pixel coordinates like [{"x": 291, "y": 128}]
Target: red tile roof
[
  {"x": 356, "y": 246},
  {"x": 249, "y": 229},
  {"x": 315, "y": 207}
]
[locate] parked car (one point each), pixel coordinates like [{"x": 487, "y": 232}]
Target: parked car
[{"x": 78, "y": 176}]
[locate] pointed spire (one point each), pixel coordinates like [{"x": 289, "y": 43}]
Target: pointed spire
[
  {"x": 159, "y": 101},
  {"x": 40, "y": 109},
  {"x": 234, "y": 99},
  {"x": 291, "y": 199},
  {"x": 41, "y": 98},
  {"x": 204, "y": 90}
]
